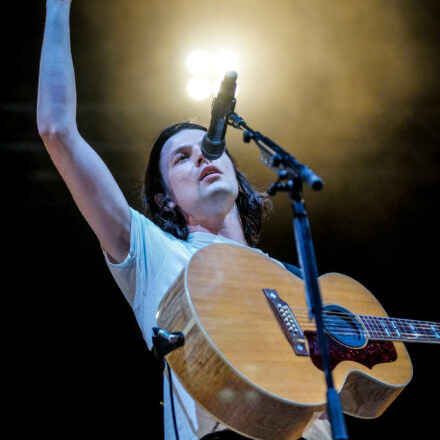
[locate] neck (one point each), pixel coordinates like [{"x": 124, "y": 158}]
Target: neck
[{"x": 228, "y": 226}]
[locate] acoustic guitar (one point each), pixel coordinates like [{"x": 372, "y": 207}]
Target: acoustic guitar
[{"x": 251, "y": 358}]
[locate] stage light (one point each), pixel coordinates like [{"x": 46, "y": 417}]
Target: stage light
[
  {"x": 224, "y": 61},
  {"x": 216, "y": 85},
  {"x": 199, "y": 87},
  {"x": 208, "y": 70},
  {"x": 199, "y": 62}
]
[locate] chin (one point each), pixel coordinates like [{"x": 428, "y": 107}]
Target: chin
[
  {"x": 220, "y": 200},
  {"x": 221, "y": 189}
]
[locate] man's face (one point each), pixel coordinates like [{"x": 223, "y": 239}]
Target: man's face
[{"x": 200, "y": 188}]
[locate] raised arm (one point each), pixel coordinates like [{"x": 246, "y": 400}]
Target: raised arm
[{"x": 90, "y": 182}]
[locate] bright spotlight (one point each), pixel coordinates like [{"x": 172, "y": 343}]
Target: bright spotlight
[
  {"x": 199, "y": 88},
  {"x": 216, "y": 85},
  {"x": 198, "y": 62},
  {"x": 208, "y": 70},
  {"x": 224, "y": 61}
]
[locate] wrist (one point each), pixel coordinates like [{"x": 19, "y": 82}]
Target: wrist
[
  {"x": 58, "y": 2},
  {"x": 58, "y": 8}
]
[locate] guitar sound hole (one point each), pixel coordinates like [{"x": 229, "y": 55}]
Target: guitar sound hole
[{"x": 343, "y": 326}]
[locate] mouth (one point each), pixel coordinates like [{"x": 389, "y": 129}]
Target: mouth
[{"x": 208, "y": 171}]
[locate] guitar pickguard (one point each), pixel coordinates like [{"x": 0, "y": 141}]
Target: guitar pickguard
[{"x": 373, "y": 353}]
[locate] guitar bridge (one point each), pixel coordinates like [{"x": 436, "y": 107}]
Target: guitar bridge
[{"x": 287, "y": 322}]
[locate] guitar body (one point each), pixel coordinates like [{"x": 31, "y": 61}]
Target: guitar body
[{"x": 237, "y": 363}]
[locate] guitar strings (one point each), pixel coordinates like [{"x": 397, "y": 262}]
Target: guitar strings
[
  {"x": 379, "y": 335},
  {"x": 372, "y": 333},
  {"x": 332, "y": 321},
  {"x": 304, "y": 311},
  {"x": 375, "y": 321},
  {"x": 418, "y": 324},
  {"x": 376, "y": 325}
]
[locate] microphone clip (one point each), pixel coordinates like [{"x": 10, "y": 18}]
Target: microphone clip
[{"x": 165, "y": 342}]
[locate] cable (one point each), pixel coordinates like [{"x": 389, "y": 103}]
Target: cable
[{"x": 173, "y": 412}]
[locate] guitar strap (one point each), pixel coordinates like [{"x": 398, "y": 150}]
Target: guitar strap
[{"x": 293, "y": 269}]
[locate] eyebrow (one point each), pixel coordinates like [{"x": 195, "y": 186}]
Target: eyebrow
[{"x": 179, "y": 150}]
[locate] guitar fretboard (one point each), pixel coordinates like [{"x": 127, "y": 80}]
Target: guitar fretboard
[{"x": 405, "y": 330}]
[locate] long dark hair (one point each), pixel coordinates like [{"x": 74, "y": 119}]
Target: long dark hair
[{"x": 253, "y": 206}]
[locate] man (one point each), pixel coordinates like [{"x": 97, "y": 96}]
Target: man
[{"x": 191, "y": 201}]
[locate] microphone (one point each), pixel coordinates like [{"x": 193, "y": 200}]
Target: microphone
[{"x": 213, "y": 143}]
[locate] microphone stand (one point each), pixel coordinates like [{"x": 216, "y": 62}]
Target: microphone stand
[{"x": 291, "y": 176}]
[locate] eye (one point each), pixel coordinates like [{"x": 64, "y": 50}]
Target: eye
[{"x": 181, "y": 157}]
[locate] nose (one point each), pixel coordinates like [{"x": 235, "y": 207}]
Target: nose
[{"x": 200, "y": 159}]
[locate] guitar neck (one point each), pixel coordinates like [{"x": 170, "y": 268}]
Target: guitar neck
[{"x": 405, "y": 330}]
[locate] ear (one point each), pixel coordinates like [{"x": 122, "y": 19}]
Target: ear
[{"x": 164, "y": 202}]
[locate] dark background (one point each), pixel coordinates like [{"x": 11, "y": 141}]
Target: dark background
[{"x": 350, "y": 88}]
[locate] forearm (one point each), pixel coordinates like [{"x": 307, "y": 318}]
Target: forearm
[{"x": 56, "y": 109}]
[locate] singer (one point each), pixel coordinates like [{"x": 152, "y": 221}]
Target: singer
[{"x": 189, "y": 202}]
